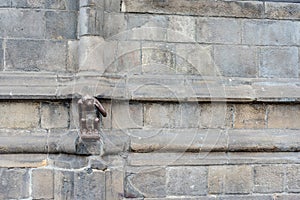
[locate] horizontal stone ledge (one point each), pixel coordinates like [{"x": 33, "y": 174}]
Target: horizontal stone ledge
[
  {"x": 208, "y": 8},
  {"x": 212, "y": 158},
  {"x": 185, "y": 88},
  {"x": 29, "y": 160},
  {"x": 214, "y": 140}
]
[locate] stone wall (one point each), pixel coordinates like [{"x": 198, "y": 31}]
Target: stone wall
[{"x": 202, "y": 99}]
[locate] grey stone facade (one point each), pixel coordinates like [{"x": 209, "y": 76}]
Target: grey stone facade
[{"x": 202, "y": 99}]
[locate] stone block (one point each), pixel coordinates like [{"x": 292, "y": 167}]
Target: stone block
[
  {"x": 230, "y": 179},
  {"x": 64, "y": 184},
  {"x": 270, "y": 32},
  {"x": 112, "y": 5},
  {"x": 147, "y": 27},
  {"x": 61, "y": 25},
  {"x": 218, "y": 30},
  {"x": 279, "y": 62},
  {"x": 127, "y": 60},
  {"x": 284, "y": 116},
  {"x": 277, "y": 10},
  {"x": 22, "y": 24},
  {"x": 189, "y": 181},
  {"x": 183, "y": 27},
  {"x": 28, "y": 3},
  {"x": 195, "y": 59},
  {"x": 62, "y": 5},
  {"x": 250, "y": 116},
  {"x": 89, "y": 184},
  {"x": 236, "y": 61},
  {"x": 158, "y": 58},
  {"x": 268, "y": 178},
  {"x": 91, "y": 21},
  {"x": 127, "y": 115},
  {"x": 247, "y": 197},
  {"x": 287, "y": 196},
  {"x": 5, "y": 4},
  {"x": 148, "y": 182},
  {"x": 216, "y": 115},
  {"x": 42, "y": 183},
  {"x": 245, "y": 9},
  {"x": 106, "y": 121},
  {"x": 14, "y": 183},
  {"x": 67, "y": 161},
  {"x": 161, "y": 115},
  {"x": 19, "y": 115},
  {"x": 119, "y": 28},
  {"x": 1, "y": 56},
  {"x": 293, "y": 178},
  {"x": 72, "y": 59},
  {"x": 23, "y": 160},
  {"x": 54, "y": 115},
  {"x": 92, "y": 3},
  {"x": 114, "y": 180},
  {"x": 35, "y": 55}
]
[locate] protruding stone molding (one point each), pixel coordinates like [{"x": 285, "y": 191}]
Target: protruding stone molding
[
  {"x": 274, "y": 9},
  {"x": 172, "y": 88}
]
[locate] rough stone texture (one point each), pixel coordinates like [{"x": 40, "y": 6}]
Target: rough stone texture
[
  {"x": 91, "y": 21},
  {"x": 250, "y": 116},
  {"x": 22, "y": 24},
  {"x": 72, "y": 59},
  {"x": 118, "y": 30},
  {"x": 14, "y": 183},
  {"x": 42, "y": 183},
  {"x": 182, "y": 27},
  {"x": 218, "y": 30},
  {"x": 61, "y": 25},
  {"x": 203, "y": 8},
  {"x": 216, "y": 115},
  {"x": 23, "y": 160},
  {"x": 114, "y": 183},
  {"x": 293, "y": 178},
  {"x": 279, "y": 62},
  {"x": 35, "y": 55},
  {"x": 270, "y": 32},
  {"x": 147, "y": 27},
  {"x": 282, "y": 10},
  {"x": 191, "y": 181},
  {"x": 283, "y": 116},
  {"x": 44, "y": 4},
  {"x": 64, "y": 184},
  {"x": 1, "y": 56},
  {"x": 89, "y": 185},
  {"x": 230, "y": 179},
  {"x": 54, "y": 115},
  {"x": 25, "y": 115},
  {"x": 287, "y": 197},
  {"x": 148, "y": 182},
  {"x": 239, "y": 61},
  {"x": 268, "y": 179},
  {"x": 127, "y": 115}
]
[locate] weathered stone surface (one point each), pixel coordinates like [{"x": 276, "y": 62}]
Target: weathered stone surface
[
  {"x": 274, "y": 62},
  {"x": 67, "y": 161},
  {"x": 203, "y": 8},
  {"x": 195, "y": 59},
  {"x": 216, "y": 115},
  {"x": 72, "y": 59},
  {"x": 250, "y": 116},
  {"x": 218, "y": 30},
  {"x": 1, "y": 56},
  {"x": 54, "y": 115},
  {"x": 268, "y": 178},
  {"x": 287, "y": 196},
  {"x": 61, "y": 25},
  {"x": 183, "y": 27},
  {"x": 42, "y": 183},
  {"x": 115, "y": 142},
  {"x": 239, "y": 61},
  {"x": 64, "y": 184},
  {"x": 23, "y": 160},
  {"x": 5, "y": 4},
  {"x": 19, "y": 115},
  {"x": 112, "y": 5},
  {"x": 247, "y": 197},
  {"x": 14, "y": 183},
  {"x": 190, "y": 181},
  {"x": 22, "y": 24},
  {"x": 91, "y": 21},
  {"x": 292, "y": 178},
  {"x": 230, "y": 179},
  {"x": 270, "y": 32},
  {"x": 114, "y": 180},
  {"x": 148, "y": 182},
  {"x": 44, "y": 4},
  {"x": 283, "y": 116},
  {"x": 282, "y": 10},
  {"x": 127, "y": 115},
  {"x": 118, "y": 30},
  {"x": 147, "y": 27},
  {"x": 89, "y": 184},
  {"x": 35, "y": 55}
]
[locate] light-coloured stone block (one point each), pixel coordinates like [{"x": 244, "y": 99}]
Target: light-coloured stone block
[
  {"x": 42, "y": 184},
  {"x": 250, "y": 116},
  {"x": 284, "y": 116},
  {"x": 54, "y": 115}
]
